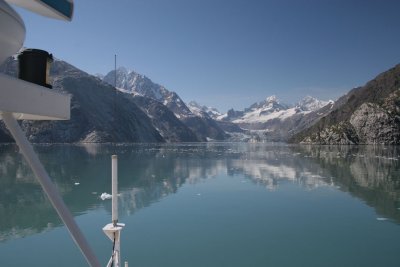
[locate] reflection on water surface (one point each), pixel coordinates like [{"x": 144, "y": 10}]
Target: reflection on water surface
[{"x": 151, "y": 172}]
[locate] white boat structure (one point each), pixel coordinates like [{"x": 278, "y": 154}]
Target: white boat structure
[{"x": 23, "y": 99}]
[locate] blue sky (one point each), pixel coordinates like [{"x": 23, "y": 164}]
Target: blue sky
[{"x": 230, "y": 53}]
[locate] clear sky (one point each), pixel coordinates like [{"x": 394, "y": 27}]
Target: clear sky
[{"x": 230, "y": 53}]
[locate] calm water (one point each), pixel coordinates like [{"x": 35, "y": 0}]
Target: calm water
[{"x": 209, "y": 205}]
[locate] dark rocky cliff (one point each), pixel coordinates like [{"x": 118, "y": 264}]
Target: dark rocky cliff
[{"x": 366, "y": 115}]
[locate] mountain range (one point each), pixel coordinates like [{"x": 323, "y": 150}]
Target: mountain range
[
  {"x": 271, "y": 119},
  {"x": 141, "y": 88},
  {"x": 268, "y": 120},
  {"x": 124, "y": 106}
]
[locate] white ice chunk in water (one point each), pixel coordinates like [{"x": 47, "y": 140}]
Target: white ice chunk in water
[
  {"x": 105, "y": 196},
  {"x": 382, "y": 219}
]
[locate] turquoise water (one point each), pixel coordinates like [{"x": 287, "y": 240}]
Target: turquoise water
[{"x": 215, "y": 204}]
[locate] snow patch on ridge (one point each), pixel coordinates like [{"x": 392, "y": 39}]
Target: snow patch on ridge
[{"x": 256, "y": 116}]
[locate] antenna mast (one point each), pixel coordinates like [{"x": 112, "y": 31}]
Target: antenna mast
[
  {"x": 115, "y": 69},
  {"x": 114, "y": 138}
]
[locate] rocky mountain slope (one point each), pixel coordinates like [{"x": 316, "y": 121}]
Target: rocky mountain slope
[
  {"x": 98, "y": 112},
  {"x": 164, "y": 120},
  {"x": 131, "y": 82},
  {"x": 366, "y": 115},
  {"x": 201, "y": 125}
]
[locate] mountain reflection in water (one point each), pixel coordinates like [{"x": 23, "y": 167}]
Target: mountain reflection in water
[{"x": 149, "y": 172}]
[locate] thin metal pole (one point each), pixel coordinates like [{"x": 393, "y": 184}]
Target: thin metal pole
[
  {"x": 49, "y": 188},
  {"x": 114, "y": 208},
  {"x": 114, "y": 189}
]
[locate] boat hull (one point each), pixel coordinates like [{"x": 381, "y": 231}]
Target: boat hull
[{"x": 12, "y": 31}]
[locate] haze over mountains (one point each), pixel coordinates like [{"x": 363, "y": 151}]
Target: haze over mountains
[{"x": 143, "y": 111}]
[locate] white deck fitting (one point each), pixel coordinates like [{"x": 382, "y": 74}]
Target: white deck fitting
[{"x": 28, "y": 101}]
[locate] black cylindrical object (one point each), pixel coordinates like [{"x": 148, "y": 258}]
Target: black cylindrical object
[{"x": 34, "y": 66}]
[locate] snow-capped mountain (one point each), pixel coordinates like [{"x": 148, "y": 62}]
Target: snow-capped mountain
[
  {"x": 310, "y": 103},
  {"x": 264, "y": 111},
  {"x": 135, "y": 83},
  {"x": 274, "y": 121},
  {"x": 202, "y": 125},
  {"x": 271, "y": 109},
  {"x": 199, "y": 110},
  {"x": 258, "y": 112},
  {"x": 131, "y": 82},
  {"x": 270, "y": 104}
]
